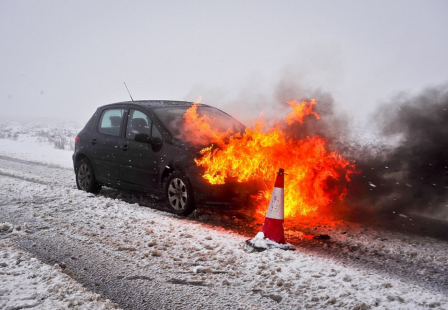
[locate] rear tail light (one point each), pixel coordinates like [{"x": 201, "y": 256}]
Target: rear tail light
[{"x": 76, "y": 140}]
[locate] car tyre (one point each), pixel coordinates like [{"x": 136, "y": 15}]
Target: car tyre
[
  {"x": 85, "y": 177},
  {"x": 179, "y": 194}
]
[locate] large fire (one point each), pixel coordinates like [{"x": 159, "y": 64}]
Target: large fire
[{"x": 262, "y": 149}]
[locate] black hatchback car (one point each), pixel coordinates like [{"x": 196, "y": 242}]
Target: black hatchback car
[{"x": 137, "y": 146}]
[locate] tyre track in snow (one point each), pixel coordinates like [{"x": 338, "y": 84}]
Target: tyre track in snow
[
  {"x": 14, "y": 175},
  {"x": 32, "y": 163},
  {"x": 40, "y": 173},
  {"x": 117, "y": 275}
]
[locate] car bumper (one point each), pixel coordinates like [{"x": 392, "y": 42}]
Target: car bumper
[{"x": 231, "y": 193}]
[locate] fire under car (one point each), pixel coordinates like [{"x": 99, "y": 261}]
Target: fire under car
[{"x": 137, "y": 146}]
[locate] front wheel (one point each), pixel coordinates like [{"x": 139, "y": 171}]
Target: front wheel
[
  {"x": 178, "y": 194},
  {"x": 85, "y": 177}
]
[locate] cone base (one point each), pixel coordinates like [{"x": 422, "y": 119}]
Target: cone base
[
  {"x": 267, "y": 244},
  {"x": 273, "y": 229}
]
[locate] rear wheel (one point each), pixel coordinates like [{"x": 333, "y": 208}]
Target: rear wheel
[
  {"x": 178, "y": 194},
  {"x": 85, "y": 177}
]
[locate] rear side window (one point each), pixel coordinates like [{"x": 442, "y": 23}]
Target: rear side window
[{"x": 110, "y": 122}]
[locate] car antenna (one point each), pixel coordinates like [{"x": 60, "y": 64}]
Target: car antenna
[{"x": 128, "y": 91}]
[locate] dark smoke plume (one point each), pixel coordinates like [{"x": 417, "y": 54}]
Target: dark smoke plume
[
  {"x": 410, "y": 172},
  {"x": 270, "y": 102}
]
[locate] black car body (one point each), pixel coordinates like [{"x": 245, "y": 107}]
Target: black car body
[{"x": 135, "y": 146}]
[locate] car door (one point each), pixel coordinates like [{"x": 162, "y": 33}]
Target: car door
[
  {"x": 105, "y": 143},
  {"x": 140, "y": 155}
]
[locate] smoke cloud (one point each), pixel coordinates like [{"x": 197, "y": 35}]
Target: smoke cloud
[
  {"x": 409, "y": 171},
  {"x": 269, "y": 101}
]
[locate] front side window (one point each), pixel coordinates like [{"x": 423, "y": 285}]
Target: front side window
[
  {"x": 138, "y": 123},
  {"x": 155, "y": 133},
  {"x": 173, "y": 119},
  {"x": 110, "y": 122}
]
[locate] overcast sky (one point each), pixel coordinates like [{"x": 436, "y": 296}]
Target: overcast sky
[{"x": 69, "y": 57}]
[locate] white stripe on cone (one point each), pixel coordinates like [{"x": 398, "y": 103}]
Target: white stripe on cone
[{"x": 276, "y": 208}]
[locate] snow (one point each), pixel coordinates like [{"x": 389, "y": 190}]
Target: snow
[
  {"x": 36, "y": 142},
  {"x": 28, "y": 283},
  {"x": 259, "y": 242},
  {"x": 28, "y": 148},
  {"x": 174, "y": 250}
]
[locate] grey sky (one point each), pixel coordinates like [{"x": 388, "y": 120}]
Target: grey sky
[{"x": 68, "y": 57}]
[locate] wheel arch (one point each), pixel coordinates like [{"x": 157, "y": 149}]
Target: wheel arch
[
  {"x": 171, "y": 168},
  {"x": 78, "y": 157}
]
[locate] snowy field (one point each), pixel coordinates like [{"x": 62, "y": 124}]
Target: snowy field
[
  {"x": 39, "y": 142},
  {"x": 167, "y": 261}
]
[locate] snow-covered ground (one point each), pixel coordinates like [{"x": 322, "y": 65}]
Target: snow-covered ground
[
  {"x": 27, "y": 283},
  {"x": 181, "y": 263},
  {"x": 39, "y": 142}
]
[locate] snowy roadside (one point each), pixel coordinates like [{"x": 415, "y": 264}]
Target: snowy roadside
[
  {"x": 28, "y": 283},
  {"x": 175, "y": 251},
  {"x": 185, "y": 263}
]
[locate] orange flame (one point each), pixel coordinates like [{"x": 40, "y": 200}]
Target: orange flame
[
  {"x": 259, "y": 152},
  {"x": 300, "y": 111},
  {"x": 199, "y": 129}
]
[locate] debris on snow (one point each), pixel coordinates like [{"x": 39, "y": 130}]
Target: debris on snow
[
  {"x": 322, "y": 237},
  {"x": 6, "y": 227}
]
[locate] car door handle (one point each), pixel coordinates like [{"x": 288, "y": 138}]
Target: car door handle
[
  {"x": 124, "y": 147},
  {"x": 93, "y": 141}
]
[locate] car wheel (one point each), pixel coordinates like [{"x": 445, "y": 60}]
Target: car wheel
[
  {"x": 178, "y": 194},
  {"x": 85, "y": 177}
]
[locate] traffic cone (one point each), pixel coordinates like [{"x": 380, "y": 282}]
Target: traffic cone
[
  {"x": 273, "y": 234},
  {"x": 274, "y": 223}
]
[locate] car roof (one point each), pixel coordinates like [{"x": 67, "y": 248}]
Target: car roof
[{"x": 155, "y": 103}]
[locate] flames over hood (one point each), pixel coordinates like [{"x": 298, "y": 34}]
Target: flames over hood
[{"x": 315, "y": 176}]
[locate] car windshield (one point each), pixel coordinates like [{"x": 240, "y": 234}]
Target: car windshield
[{"x": 172, "y": 118}]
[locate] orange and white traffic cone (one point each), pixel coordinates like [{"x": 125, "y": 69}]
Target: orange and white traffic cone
[
  {"x": 274, "y": 223},
  {"x": 273, "y": 233}
]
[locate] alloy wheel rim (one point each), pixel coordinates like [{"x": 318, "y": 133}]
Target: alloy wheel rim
[
  {"x": 177, "y": 194},
  {"x": 84, "y": 177}
]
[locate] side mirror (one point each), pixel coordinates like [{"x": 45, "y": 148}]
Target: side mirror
[
  {"x": 142, "y": 137},
  {"x": 145, "y": 138},
  {"x": 156, "y": 141}
]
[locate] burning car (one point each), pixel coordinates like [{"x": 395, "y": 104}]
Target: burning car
[{"x": 145, "y": 146}]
